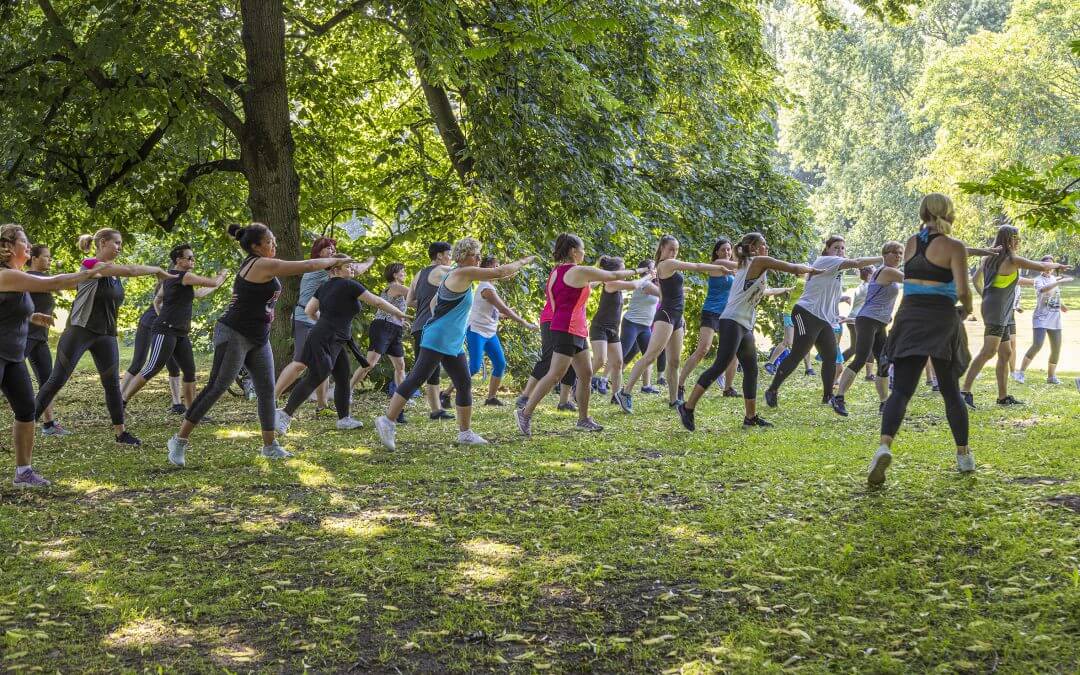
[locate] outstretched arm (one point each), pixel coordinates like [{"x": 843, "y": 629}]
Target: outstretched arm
[
  {"x": 492, "y": 273},
  {"x": 268, "y": 268},
  {"x": 1038, "y": 266},
  {"x": 859, "y": 263},
  {"x": 491, "y": 296},
  {"x": 1054, "y": 284},
  {"x": 369, "y": 298},
  {"x": 136, "y": 271},
  {"x": 770, "y": 292},
  {"x": 715, "y": 267},
  {"x": 762, "y": 263},
  {"x": 205, "y": 282},
  {"x": 17, "y": 280}
]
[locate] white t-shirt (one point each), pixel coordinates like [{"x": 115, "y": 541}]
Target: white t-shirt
[
  {"x": 1047, "y": 305},
  {"x": 483, "y": 318},
  {"x": 858, "y": 298},
  {"x": 823, "y": 291}
]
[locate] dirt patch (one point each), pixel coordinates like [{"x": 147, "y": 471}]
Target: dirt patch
[
  {"x": 1071, "y": 502},
  {"x": 1038, "y": 480}
]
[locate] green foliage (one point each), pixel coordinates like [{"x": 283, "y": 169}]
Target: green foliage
[{"x": 1048, "y": 204}]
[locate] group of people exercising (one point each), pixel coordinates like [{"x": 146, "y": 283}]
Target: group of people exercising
[{"x": 457, "y": 313}]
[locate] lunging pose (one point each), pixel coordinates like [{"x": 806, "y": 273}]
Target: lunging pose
[
  {"x": 141, "y": 349},
  {"x": 604, "y": 328},
  {"x": 421, "y": 293},
  {"x": 385, "y": 331},
  {"x": 37, "y": 335},
  {"x": 1046, "y": 322}
]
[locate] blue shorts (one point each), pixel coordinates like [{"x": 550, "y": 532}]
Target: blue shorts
[{"x": 788, "y": 323}]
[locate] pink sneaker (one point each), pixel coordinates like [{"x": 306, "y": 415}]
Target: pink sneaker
[{"x": 29, "y": 479}]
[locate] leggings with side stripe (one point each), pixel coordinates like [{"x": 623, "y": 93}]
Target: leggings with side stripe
[
  {"x": 142, "y": 348},
  {"x": 810, "y": 331},
  {"x": 173, "y": 349}
]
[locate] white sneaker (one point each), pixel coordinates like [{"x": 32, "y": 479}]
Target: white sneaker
[
  {"x": 880, "y": 462},
  {"x": 349, "y": 423},
  {"x": 1018, "y": 375},
  {"x": 965, "y": 463},
  {"x": 177, "y": 447},
  {"x": 275, "y": 451},
  {"x": 470, "y": 437},
  {"x": 1053, "y": 380},
  {"x": 281, "y": 422},
  {"x": 386, "y": 429}
]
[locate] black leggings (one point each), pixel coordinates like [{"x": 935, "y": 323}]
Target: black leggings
[
  {"x": 906, "y": 373},
  {"x": 74, "y": 342},
  {"x": 810, "y": 331},
  {"x": 142, "y": 348},
  {"x": 1038, "y": 335},
  {"x": 547, "y": 348},
  {"x": 433, "y": 378},
  {"x": 635, "y": 338},
  {"x": 736, "y": 341},
  {"x": 15, "y": 383},
  {"x": 853, "y": 334},
  {"x": 322, "y": 361},
  {"x": 428, "y": 361},
  {"x": 40, "y": 358},
  {"x": 870, "y": 341},
  {"x": 173, "y": 349}
]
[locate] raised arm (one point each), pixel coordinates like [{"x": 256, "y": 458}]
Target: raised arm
[
  {"x": 762, "y": 263},
  {"x": 1054, "y": 284},
  {"x": 17, "y": 280},
  {"x": 369, "y": 298},
  {"x": 715, "y": 267},
  {"x": 620, "y": 285},
  {"x": 205, "y": 282},
  {"x": 136, "y": 271},
  {"x": 1037, "y": 266},
  {"x": 266, "y": 269},
  {"x": 492, "y": 296},
  {"x": 471, "y": 274},
  {"x": 982, "y": 252},
  {"x": 859, "y": 263},
  {"x": 579, "y": 275}
]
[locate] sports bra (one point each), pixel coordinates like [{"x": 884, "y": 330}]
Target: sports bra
[{"x": 919, "y": 266}]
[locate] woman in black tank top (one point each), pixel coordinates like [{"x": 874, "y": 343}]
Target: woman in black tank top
[{"x": 604, "y": 327}]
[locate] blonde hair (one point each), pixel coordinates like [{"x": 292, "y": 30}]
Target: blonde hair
[
  {"x": 8, "y": 234},
  {"x": 465, "y": 247},
  {"x": 95, "y": 239},
  {"x": 892, "y": 246},
  {"x": 937, "y": 210}
]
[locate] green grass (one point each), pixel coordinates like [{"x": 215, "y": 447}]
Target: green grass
[{"x": 643, "y": 548}]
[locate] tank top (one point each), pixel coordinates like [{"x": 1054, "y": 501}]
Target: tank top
[
  {"x": 445, "y": 331},
  {"x": 424, "y": 293},
  {"x": 608, "y": 310},
  {"x": 251, "y": 310},
  {"x": 484, "y": 318},
  {"x": 148, "y": 317},
  {"x": 175, "y": 316},
  {"x": 97, "y": 303},
  {"x": 44, "y": 303},
  {"x": 672, "y": 297},
  {"x": 999, "y": 294},
  {"x": 15, "y": 310},
  {"x": 397, "y": 301},
  {"x": 568, "y": 303},
  {"x": 717, "y": 297},
  {"x": 745, "y": 296},
  {"x": 642, "y": 307},
  {"x": 880, "y": 299},
  {"x": 918, "y": 266}
]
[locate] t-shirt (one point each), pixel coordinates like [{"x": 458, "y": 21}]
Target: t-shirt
[
  {"x": 1047, "y": 313},
  {"x": 483, "y": 318},
  {"x": 43, "y": 304},
  {"x": 642, "y": 307},
  {"x": 309, "y": 283},
  {"x": 858, "y": 298},
  {"x": 97, "y": 303},
  {"x": 175, "y": 316},
  {"x": 339, "y": 303},
  {"x": 823, "y": 290}
]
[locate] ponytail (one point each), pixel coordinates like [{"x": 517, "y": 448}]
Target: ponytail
[
  {"x": 249, "y": 236},
  {"x": 88, "y": 241},
  {"x": 565, "y": 243},
  {"x": 936, "y": 210},
  {"x": 664, "y": 241}
]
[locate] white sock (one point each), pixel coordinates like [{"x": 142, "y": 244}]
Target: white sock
[
  {"x": 22, "y": 469},
  {"x": 181, "y": 441}
]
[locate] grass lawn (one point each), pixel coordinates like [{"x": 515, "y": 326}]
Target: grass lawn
[{"x": 643, "y": 548}]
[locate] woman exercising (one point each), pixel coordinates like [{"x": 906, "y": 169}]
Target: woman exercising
[
  {"x": 607, "y": 349},
  {"x": 386, "y": 330},
  {"x": 37, "y": 336},
  {"x": 1046, "y": 322},
  {"x": 637, "y": 325},
  {"x": 141, "y": 349}
]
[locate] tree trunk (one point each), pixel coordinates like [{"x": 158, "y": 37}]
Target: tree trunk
[{"x": 267, "y": 150}]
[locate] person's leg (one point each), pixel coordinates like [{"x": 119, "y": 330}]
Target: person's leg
[
  {"x": 321, "y": 363},
  {"x": 161, "y": 350},
  {"x": 1038, "y": 336},
  {"x": 342, "y": 392},
  {"x": 955, "y": 410},
  {"x": 906, "y": 373},
  {"x": 174, "y": 380},
  {"x": 1012, "y": 351},
  {"x": 661, "y": 362},
  {"x": 583, "y": 372},
  {"x": 989, "y": 349},
  {"x": 560, "y": 363},
  {"x": 431, "y": 389},
  {"x": 661, "y": 332},
  {"x": 614, "y": 366},
  {"x": 704, "y": 343},
  {"x": 230, "y": 349},
  {"x": 1055, "y": 353},
  {"x": 599, "y": 355},
  {"x": 184, "y": 356},
  {"x": 807, "y": 328},
  {"x": 106, "y": 355},
  {"x": 747, "y": 357},
  {"x": 259, "y": 362},
  {"x": 727, "y": 345},
  {"x": 73, "y": 343},
  {"x": 1001, "y": 368},
  {"x": 674, "y": 350},
  {"x": 40, "y": 359},
  {"x": 826, "y": 346},
  {"x": 16, "y": 387},
  {"x": 474, "y": 346},
  {"x": 426, "y": 360},
  {"x": 362, "y": 372},
  {"x": 289, "y": 375},
  {"x": 139, "y": 350},
  {"x": 853, "y": 338},
  {"x": 494, "y": 350},
  {"x": 457, "y": 367}
]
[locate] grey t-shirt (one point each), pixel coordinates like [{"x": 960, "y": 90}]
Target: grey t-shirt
[
  {"x": 309, "y": 283},
  {"x": 642, "y": 306}
]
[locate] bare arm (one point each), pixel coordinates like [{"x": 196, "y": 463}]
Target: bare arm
[
  {"x": 1037, "y": 266},
  {"x": 397, "y": 290},
  {"x": 651, "y": 288},
  {"x": 890, "y": 275},
  {"x": 206, "y": 282},
  {"x": 471, "y": 274},
  {"x": 491, "y": 296},
  {"x": 265, "y": 269},
  {"x": 770, "y": 292},
  {"x": 976, "y": 279},
  {"x": 715, "y": 267},
  {"x": 410, "y": 297},
  {"x": 369, "y": 298},
  {"x": 982, "y": 252},
  {"x": 859, "y": 263},
  {"x": 312, "y": 309},
  {"x": 136, "y": 271},
  {"x": 1054, "y": 284},
  {"x": 159, "y": 299},
  {"x": 763, "y": 263},
  {"x": 620, "y": 285},
  {"x": 580, "y": 275},
  {"x": 17, "y": 280}
]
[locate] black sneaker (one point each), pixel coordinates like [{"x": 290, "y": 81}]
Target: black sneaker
[
  {"x": 809, "y": 372},
  {"x": 731, "y": 392},
  {"x": 494, "y": 401},
  {"x": 770, "y": 398},
  {"x": 755, "y": 421},
  {"x": 686, "y": 416},
  {"x": 594, "y": 383},
  {"x": 568, "y": 407},
  {"x": 178, "y": 409},
  {"x": 401, "y": 418},
  {"x": 1009, "y": 400},
  {"x": 444, "y": 399},
  {"x": 672, "y": 404},
  {"x": 441, "y": 415},
  {"x": 826, "y": 399},
  {"x": 838, "y": 406},
  {"x": 969, "y": 399},
  {"x": 125, "y": 438},
  {"x": 614, "y": 401},
  {"x": 661, "y": 381}
]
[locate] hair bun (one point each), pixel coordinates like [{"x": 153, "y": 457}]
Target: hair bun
[{"x": 236, "y": 230}]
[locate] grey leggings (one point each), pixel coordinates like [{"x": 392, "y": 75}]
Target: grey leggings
[
  {"x": 1037, "y": 337},
  {"x": 231, "y": 351}
]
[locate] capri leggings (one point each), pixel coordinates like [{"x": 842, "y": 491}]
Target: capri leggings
[
  {"x": 906, "y": 373},
  {"x": 231, "y": 351},
  {"x": 427, "y": 362},
  {"x": 479, "y": 346},
  {"x": 1038, "y": 335},
  {"x": 74, "y": 342},
  {"x": 635, "y": 338},
  {"x": 323, "y": 360},
  {"x": 870, "y": 341},
  {"x": 810, "y": 331},
  {"x": 15, "y": 383},
  {"x": 736, "y": 341},
  {"x": 547, "y": 348},
  {"x": 142, "y": 348},
  {"x": 40, "y": 358},
  {"x": 433, "y": 378},
  {"x": 174, "y": 350}
]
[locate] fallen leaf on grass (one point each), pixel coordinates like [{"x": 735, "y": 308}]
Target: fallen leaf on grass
[{"x": 658, "y": 640}]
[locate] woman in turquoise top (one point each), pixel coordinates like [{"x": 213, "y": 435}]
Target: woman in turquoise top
[{"x": 444, "y": 336}]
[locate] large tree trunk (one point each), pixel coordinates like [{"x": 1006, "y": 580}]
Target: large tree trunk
[{"x": 267, "y": 150}]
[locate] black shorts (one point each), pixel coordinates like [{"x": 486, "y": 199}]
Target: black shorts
[
  {"x": 997, "y": 330},
  {"x": 567, "y": 343},
  {"x": 668, "y": 316},
  {"x": 709, "y": 320},
  {"x": 384, "y": 337},
  {"x": 605, "y": 333},
  {"x": 300, "y": 332}
]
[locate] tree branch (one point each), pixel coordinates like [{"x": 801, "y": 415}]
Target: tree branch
[
  {"x": 223, "y": 112},
  {"x": 191, "y": 173},
  {"x": 131, "y": 162},
  {"x": 94, "y": 74},
  {"x": 319, "y": 29}
]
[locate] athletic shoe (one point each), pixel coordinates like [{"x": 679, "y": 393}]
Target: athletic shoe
[
  {"x": 594, "y": 383},
  {"x": 55, "y": 430},
  {"x": 1018, "y": 376},
  {"x": 1009, "y": 400},
  {"x": 349, "y": 423},
  {"x": 568, "y": 407},
  {"x": 721, "y": 382},
  {"x": 969, "y": 399},
  {"x": 936, "y": 389},
  {"x": 661, "y": 381},
  {"x": 282, "y": 420},
  {"x": 178, "y": 409},
  {"x": 494, "y": 401},
  {"x": 602, "y": 385},
  {"x": 965, "y": 463},
  {"x": 521, "y": 401},
  {"x": 755, "y": 421},
  {"x": 613, "y": 401},
  {"x": 770, "y": 368},
  {"x": 441, "y": 415},
  {"x": 29, "y": 479},
  {"x": 470, "y": 437},
  {"x": 870, "y": 377},
  {"x": 826, "y": 399},
  {"x": 177, "y": 447},
  {"x": 1053, "y": 380},
  {"x": 125, "y": 438},
  {"x": 731, "y": 392},
  {"x": 588, "y": 424},
  {"x": 770, "y": 398},
  {"x": 809, "y": 372},
  {"x": 625, "y": 401},
  {"x": 838, "y": 406},
  {"x": 444, "y": 399},
  {"x": 275, "y": 451},
  {"x": 524, "y": 422},
  {"x": 401, "y": 418},
  {"x": 878, "y": 464},
  {"x": 650, "y": 390},
  {"x": 385, "y": 429},
  {"x": 686, "y": 416}
]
